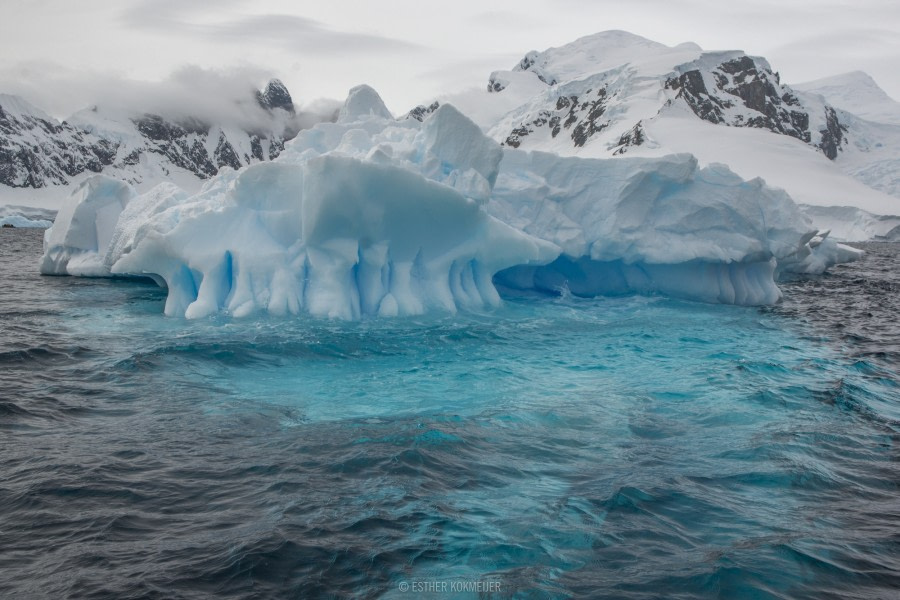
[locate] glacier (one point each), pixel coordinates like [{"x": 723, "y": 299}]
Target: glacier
[{"x": 373, "y": 216}]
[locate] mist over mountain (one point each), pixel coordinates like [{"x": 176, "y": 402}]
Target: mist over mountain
[{"x": 186, "y": 130}]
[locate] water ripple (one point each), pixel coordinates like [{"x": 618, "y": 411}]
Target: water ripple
[{"x": 611, "y": 448}]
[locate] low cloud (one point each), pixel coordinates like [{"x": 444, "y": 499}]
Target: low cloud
[{"x": 221, "y": 96}]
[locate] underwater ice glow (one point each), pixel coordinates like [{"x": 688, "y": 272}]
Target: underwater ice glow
[{"x": 610, "y": 447}]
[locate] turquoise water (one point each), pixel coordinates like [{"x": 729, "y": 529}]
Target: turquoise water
[{"x": 626, "y": 447}]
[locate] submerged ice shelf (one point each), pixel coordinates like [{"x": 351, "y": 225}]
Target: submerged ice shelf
[{"x": 371, "y": 216}]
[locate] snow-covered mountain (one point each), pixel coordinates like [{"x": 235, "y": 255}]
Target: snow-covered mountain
[
  {"x": 601, "y": 88},
  {"x": 615, "y": 93},
  {"x": 872, "y": 119},
  {"x": 40, "y": 156},
  {"x": 856, "y": 92},
  {"x": 832, "y": 143}
]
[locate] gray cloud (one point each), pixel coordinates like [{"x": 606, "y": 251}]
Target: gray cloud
[
  {"x": 226, "y": 96},
  {"x": 326, "y": 48},
  {"x": 291, "y": 32}
]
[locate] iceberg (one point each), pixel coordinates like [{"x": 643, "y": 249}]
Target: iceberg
[
  {"x": 84, "y": 226},
  {"x": 26, "y": 216},
  {"x": 661, "y": 225},
  {"x": 372, "y": 217},
  {"x": 364, "y": 217}
]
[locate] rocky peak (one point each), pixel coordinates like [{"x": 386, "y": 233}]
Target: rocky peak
[
  {"x": 720, "y": 89},
  {"x": 275, "y": 95},
  {"x": 421, "y": 112}
]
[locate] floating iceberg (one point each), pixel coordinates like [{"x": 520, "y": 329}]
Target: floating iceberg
[
  {"x": 366, "y": 216},
  {"x": 26, "y": 217},
  {"x": 660, "y": 225},
  {"x": 371, "y": 216}
]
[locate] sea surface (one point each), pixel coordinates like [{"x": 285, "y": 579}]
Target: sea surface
[{"x": 632, "y": 447}]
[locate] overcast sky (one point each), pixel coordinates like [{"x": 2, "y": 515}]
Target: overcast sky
[{"x": 63, "y": 55}]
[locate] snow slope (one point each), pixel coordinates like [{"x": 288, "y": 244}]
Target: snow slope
[
  {"x": 855, "y": 92},
  {"x": 615, "y": 94},
  {"x": 872, "y": 154}
]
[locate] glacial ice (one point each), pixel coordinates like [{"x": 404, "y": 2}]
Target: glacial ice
[
  {"x": 76, "y": 243},
  {"x": 371, "y": 216},
  {"x": 656, "y": 226}
]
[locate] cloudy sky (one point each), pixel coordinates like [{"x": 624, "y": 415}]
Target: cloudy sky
[{"x": 64, "y": 55}]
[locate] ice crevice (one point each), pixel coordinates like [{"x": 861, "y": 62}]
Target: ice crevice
[{"x": 376, "y": 217}]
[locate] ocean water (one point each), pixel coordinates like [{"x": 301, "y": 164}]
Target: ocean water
[{"x": 634, "y": 447}]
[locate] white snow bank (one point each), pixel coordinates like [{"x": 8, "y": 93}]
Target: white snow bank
[
  {"x": 784, "y": 162},
  {"x": 656, "y": 225}
]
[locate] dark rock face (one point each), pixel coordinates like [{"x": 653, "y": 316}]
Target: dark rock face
[
  {"x": 276, "y": 147},
  {"x": 833, "y": 134},
  {"x": 275, "y": 95},
  {"x": 35, "y": 152},
  {"x": 634, "y": 137},
  {"x": 225, "y": 154},
  {"x": 421, "y": 112},
  {"x": 172, "y": 141},
  {"x": 582, "y": 117},
  {"x": 256, "y": 147},
  {"x": 742, "y": 83},
  {"x": 495, "y": 85},
  {"x": 528, "y": 62}
]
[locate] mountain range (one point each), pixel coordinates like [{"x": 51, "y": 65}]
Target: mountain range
[
  {"x": 42, "y": 157},
  {"x": 829, "y": 143}
]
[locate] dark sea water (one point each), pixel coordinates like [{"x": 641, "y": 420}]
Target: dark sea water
[{"x": 612, "y": 448}]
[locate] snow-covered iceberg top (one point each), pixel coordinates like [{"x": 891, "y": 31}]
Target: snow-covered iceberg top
[{"x": 371, "y": 216}]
